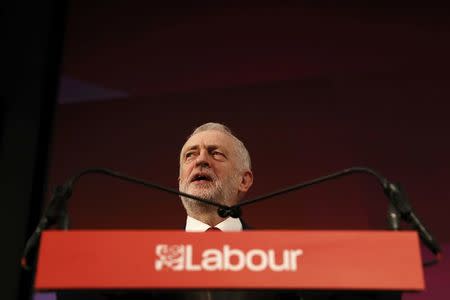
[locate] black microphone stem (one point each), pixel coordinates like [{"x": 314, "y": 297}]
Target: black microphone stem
[
  {"x": 111, "y": 173},
  {"x": 398, "y": 202},
  {"x": 56, "y": 212},
  {"x": 342, "y": 173}
]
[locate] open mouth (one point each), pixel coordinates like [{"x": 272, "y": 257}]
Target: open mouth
[{"x": 201, "y": 178}]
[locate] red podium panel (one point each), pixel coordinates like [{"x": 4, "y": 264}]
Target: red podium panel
[{"x": 313, "y": 260}]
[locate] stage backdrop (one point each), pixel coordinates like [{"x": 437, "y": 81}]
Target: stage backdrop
[{"x": 310, "y": 90}]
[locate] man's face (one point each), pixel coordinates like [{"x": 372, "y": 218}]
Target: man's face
[{"x": 208, "y": 168}]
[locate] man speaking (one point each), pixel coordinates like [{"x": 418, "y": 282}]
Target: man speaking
[{"x": 214, "y": 165}]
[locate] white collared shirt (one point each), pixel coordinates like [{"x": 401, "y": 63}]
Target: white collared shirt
[{"x": 229, "y": 224}]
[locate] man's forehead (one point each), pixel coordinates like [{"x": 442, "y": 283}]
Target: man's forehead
[{"x": 209, "y": 138}]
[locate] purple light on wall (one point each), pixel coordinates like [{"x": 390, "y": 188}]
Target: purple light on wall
[
  {"x": 44, "y": 296},
  {"x": 73, "y": 90},
  {"x": 436, "y": 278}
]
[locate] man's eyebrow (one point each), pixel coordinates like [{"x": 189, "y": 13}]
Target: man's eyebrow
[
  {"x": 196, "y": 147},
  {"x": 193, "y": 147}
]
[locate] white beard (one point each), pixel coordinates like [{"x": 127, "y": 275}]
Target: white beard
[{"x": 220, "y": 192}]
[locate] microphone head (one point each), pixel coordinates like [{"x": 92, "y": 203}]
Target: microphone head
[
  {"x": 235, "y": 212},
  {"x": 393, "y": 218},
  {"x": 225, "y": 212},
  {"x": 399, "y": 200}
]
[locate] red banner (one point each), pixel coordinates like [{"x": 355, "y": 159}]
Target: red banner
[{"x": 373, "y": 260}]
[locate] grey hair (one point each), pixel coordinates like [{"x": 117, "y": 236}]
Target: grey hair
[{"x": 242, "y": 152}]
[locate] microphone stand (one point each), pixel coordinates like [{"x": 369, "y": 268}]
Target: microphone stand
[
  {"x": 57, "y": 215},
  {"x": 398, "y": 203}
]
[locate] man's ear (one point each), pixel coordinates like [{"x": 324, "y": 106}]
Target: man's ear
[{"x": 246, "y": 181}]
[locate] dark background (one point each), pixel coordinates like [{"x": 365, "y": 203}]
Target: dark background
[{"x": 311, "y": 88}]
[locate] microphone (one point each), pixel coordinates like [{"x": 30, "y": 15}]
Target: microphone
[
  {"x": 56, "y": 214},
  {"x": 392, "y": 218},
  {"x": 397, "y": 200}
]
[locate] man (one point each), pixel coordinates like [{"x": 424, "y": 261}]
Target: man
[{"x": 214, "y": 165}]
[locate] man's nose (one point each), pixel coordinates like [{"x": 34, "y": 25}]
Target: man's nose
[{"x": 202, "y": 159}]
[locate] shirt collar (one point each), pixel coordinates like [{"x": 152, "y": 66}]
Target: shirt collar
[{"x": 229, "y": 224}]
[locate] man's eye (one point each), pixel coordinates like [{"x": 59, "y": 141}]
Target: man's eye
[
  {"x": 189, "y": 154},
  {"x": 217, "y": 153}
]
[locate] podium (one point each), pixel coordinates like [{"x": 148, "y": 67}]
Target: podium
[{"x": 380, "y": 263}]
